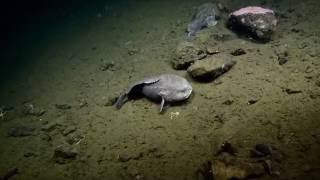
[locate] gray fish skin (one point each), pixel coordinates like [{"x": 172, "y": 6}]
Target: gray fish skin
[
  {"x": 164, "y": 88},
  {"x": 205, "y": 16}
]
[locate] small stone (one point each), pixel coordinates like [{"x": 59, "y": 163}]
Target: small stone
[
  {"x": 133, "y": 51},
  {"x": 226, "y": 147},
  {"x": 28, "y": 154},
  {"x": 63, "y": 106},
  {"x": 238, "y": 52},
  {"x": 292, "y": 91},
  {"x": 69, "y": 130},
  {"x": 211, "y": 50},
  {"x": 107, "y": 66},
  {"x": 83, "y": 103},
  {"x": 73, "y": 138},
  {"x": 50, "y": 126},
  {"x": 123, "y": 157},
  {"x": 261, "y": 150},
  {"x": 29, "y": 109},
  {"x": 228, "y": 102},
  {"x": 65, "y": 152},
  {"x": 20, "y": 131}
]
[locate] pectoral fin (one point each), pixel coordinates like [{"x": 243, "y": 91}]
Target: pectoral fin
[{"x": 162, "y": 104}]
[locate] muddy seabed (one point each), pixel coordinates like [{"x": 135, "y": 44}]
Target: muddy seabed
[{"x": 57, "y": 122}]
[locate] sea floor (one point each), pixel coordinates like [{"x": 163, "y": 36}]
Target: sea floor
[{"x": 57, "y": 122}]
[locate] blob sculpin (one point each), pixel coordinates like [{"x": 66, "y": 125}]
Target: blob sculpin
[
  {"x": 164, "y": 88},
  {"x": 206, "y": 16}
]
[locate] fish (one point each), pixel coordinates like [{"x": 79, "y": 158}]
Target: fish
[
  {"x": 166, "y": 88},
  {"x": 206, "y": 16}
]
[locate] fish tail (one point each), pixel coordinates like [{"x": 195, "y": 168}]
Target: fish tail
[{"x": 122, "y": 99}]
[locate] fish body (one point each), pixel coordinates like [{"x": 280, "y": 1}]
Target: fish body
[
  {"x": 164, "y": 88},
  {"x": 205, "y": 16}
]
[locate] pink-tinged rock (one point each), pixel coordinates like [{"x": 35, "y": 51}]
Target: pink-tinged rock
[
  {"x": 256, "y": 22},
  {"x": 252, "y": 10}
]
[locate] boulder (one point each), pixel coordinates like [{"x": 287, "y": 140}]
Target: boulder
[
  {"x": 185, "y": 54},
  {"x": 210, "y": 68},
  {"x": 257, "y": 22}
]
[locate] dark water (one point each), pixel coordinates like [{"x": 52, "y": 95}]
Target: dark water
[{"x": 63, "y": 64}]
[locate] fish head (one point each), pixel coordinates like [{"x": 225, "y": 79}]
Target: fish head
[{"x": 179, "y": 94}]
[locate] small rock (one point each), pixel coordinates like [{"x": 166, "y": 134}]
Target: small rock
[
  {"x": 83, "y": 103},
  {"x": 65, "y": 152},
  {"x": 228, "y": 102},
  {"x": 50, "y": 126},
  {"x": 261, "y": 150},
  {"x": 20, "y": 131},
  {"x": 185, "y": 54},
  {"x": 236, "y": 169},
  {"x": 226, "y": 147},
  {"x": 292, "y": 91},
  {"x": 133, "y": 51},
  {"x": 253, "y": 100},
  {"x": 9, "y": 174},
  {"x": 210, "y": 68},
  {"x": 124, "y": 157},
  {"x": 29, "y": 109},
  {"x": 282, "y": 54},
  {"x": 63, "y": 106},
  {"x": 211, "y": 50},
  {"x": 69, "y": 130},
  {"x": 74, "y": 138},
  {"x": 238, "y": 52},
  {"x": 28, "y": 154},
  {"x": 107, "y": 66}
]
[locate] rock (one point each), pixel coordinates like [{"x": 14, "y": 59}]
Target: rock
[
  {"x": 9, "y": 174},
  {"x": 282, "y": 54},
  {"x": 69, "y": 130},
  {"x": 63, "y": 106},
  {"x": 107, "y": 66},
  {"x": 74, "y": 138},
  {"x": 238, "y": 52},
  {"x": 65, "y": 152},
  {"x": 236, "y": 169},
  {"x": 226, "y": 147},
  {"x": 20, "y": 131},
  {"x": 133, "y": 51},
  {"x": 292, "y": 91},
  {"x": 50, "y": 126},
  {"x": 83, "y": 103},
  {"x": 185, "y": 54},
  {"x": 261, "y": 150},
  {"x": 210, "y": 68},
  {"x": 211, "y": 50},
  {"x": 228, "y": 102},
  {"x": 257, "y": 22},
  {"x": 126, "y": 156},
  {"x": 30, "y": 109}
]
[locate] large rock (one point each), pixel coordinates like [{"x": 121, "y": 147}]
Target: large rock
[
  {"x": 210, "y": 68},
  {"x": 185, "y": 54},
  {"x": 259, "y": 23}
]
